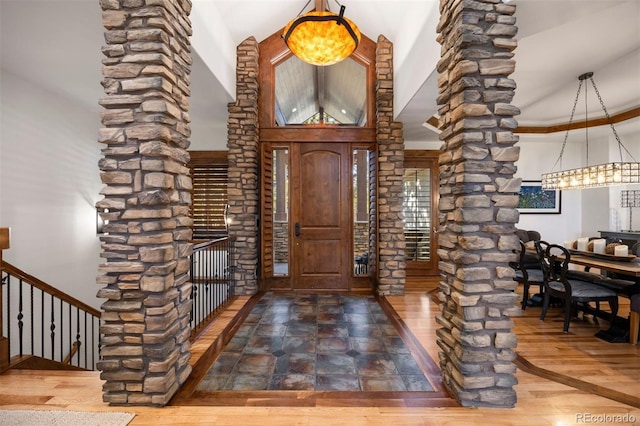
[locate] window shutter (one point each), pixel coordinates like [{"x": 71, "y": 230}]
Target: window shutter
[
  {"x": 209, "y": 174},
  {"x": 267, "y": 209}
]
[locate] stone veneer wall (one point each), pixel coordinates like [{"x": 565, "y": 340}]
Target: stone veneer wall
[
  {"x": 478, "y": 198},
  {"x": 243, "y": 186},
  {"x": 391, "y": 244},
  {"x": 280, "y": 242},
  {"x": 145, "y": 320},
  {"x": 361, "y": 238}
]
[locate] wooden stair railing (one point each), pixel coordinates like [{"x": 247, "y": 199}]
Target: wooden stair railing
[
  {"x": 74, "y": 350},
  {"x": 31, "y": 308},
  {"x": 43, "y": 321}
]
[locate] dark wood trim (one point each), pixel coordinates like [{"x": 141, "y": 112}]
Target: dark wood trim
[
  {"x": 205, "y": 157},
  {"x": 617, "y": 118},
  {"x": 365, "y": 54},
  {"x": 320, "y": 399},
  {"x": 428, "y": 366},
  {"x": 563, "y": 127},
  {"x": 614, "y": 395},
  {"x": 417, "y": 154},
  {"x": 426, "y": 158},
  {"x": 433, "y": 121},
  {"x": 325, "y": 134}
]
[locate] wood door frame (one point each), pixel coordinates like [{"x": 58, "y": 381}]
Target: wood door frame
[
  {"x": 269, "y": 281},
  {"x": 274, "y": 51},
  {"x": 418, "y": 158}
]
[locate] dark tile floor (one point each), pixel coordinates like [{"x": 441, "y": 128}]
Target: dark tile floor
[{"x": 316, "y": 342}]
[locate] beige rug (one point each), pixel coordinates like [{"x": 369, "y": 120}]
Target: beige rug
[{"x": 63, "y": 418}]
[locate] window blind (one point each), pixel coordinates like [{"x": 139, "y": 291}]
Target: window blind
[{"x": 209, "y": 174}]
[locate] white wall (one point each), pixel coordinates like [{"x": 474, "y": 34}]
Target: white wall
[
  {"x": 207, "y": 137},
  {"x": 49, "y": 183},
  {"x": 629, "y": 134},
  {"x": 586, "y": 211},
  {"x": 596, "y": 203},
  {"x": 538, "y": 155}
]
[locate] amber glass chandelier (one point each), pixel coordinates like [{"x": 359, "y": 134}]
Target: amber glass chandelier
[
  {"x": 322, "y": 37},
  {"x": 592, "y": 176}
]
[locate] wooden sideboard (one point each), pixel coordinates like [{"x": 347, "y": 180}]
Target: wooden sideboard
[{"x": 628, "y": 238}]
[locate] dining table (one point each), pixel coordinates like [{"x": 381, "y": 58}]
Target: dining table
[
  {"x": 625, "y": 279},
  {"x": 630, "y": 268},
  {"x": 623, "y": 275}
]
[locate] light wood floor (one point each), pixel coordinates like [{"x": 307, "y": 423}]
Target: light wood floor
[{"x": 561, "y": 380}]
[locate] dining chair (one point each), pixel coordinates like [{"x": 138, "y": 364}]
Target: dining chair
[
  {"x": 573, "y": 291},
  {"x": 527, "y": 273}
]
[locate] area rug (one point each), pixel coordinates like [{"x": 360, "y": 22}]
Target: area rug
[{"x": 63, "y": 418}]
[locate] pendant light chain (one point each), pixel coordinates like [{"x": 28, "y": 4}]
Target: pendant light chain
[
  {"x": 586, "y": 124},
  {"x": 613, "y": 129},
  {"x": 592, "y": 176},
  {"x": 303, "y": 8},
  {"x": 566, "y": 136}
]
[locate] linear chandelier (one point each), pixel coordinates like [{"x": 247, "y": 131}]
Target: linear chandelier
[
  {"x": 592, "y": 176},
  {"x": 322, "y": 37}
]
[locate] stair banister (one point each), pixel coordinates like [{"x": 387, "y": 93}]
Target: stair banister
[{"x": 5, "y": 243}]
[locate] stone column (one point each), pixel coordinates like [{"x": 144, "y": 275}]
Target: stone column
[
  {"x": 243, "y": 185},
  {"x": 145, "y": 320},
  {"x": 391, "y": 244},
  {"x": 478, "y": 198}
]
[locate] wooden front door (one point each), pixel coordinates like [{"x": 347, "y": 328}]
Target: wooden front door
[{"x": 320, "y": 194}]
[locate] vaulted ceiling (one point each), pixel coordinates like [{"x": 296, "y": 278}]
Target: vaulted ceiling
[{"x": 56, "y": 45}]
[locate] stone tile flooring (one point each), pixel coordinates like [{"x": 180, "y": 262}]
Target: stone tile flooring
[{"x": 316, "y": 342}]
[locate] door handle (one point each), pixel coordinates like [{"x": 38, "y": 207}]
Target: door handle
[{"x": 297, "y": 227}]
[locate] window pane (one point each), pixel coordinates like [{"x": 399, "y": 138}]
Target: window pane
[
  {"x": 308, "y": 94},
  {"x": 361, "y": 211},
  {"x": 417, "y": 213},
  {"x": 280, "y": 185}
]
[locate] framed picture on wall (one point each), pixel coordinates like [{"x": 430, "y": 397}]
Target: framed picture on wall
[{"x": 535, "y": 200}]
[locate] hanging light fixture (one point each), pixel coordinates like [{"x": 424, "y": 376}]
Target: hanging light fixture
[
  {"x": 607, "y": 174},
  {"x": 322, "y": 37}
]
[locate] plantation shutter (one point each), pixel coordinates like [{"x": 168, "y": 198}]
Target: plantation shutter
[
  {"x": 417, "y": 212},
  {"x": 267, "y": 209},
  {"x": 209, "y": 174}
]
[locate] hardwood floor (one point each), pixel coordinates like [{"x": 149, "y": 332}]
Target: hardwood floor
[{"x": 562, "y": 379}]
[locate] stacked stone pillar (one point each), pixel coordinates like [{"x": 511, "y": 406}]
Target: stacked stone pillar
[
  {"x": 145, "y": 320},
  {"x": 243, "y": 185},
  {"x": 391, "y": 243},
  {"x": 478, "y": 198}
]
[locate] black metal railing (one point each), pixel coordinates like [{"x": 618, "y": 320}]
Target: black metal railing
[
  {"x": 42, "y": 321},
  {"x": 213, "y": 281}
]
